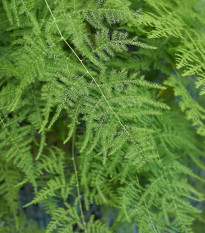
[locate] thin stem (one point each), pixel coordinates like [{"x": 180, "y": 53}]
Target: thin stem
[{"x": 76, "y": 174}]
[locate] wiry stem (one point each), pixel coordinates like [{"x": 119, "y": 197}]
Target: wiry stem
[{"x": 77, "y": 182}]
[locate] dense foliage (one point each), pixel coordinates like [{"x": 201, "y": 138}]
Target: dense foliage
[{"x": 102, "y": 106}]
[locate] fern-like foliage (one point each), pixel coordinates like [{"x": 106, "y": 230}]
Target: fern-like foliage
[
  {"x": 102, "y": 107},
  {"x": 172, "y": 20},
  {"x": 193, "y": 109}
]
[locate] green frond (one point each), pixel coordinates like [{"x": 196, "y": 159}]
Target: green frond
[
  {"x": 194, "y": 111},
  {"x": 52, "y": 186},
  {"x": 97, "y": 226}
]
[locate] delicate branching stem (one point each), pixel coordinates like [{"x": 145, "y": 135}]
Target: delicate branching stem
[{"x": 103, "y": 96}]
